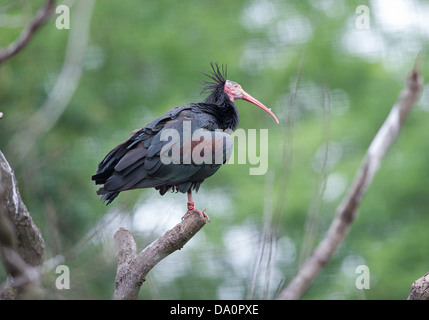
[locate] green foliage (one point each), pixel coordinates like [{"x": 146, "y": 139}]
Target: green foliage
[{"x": 143, "y": 59}]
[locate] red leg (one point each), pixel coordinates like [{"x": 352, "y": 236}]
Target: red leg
[
  {"x": 190, "y": 202},
  {"x": 191, "y": 208}
]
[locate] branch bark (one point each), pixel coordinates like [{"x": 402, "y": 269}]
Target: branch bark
[
  {"x": 24, "y": 38},
  {"x": 347, "y": 210},
  {"x": 420, "y": 289},
  {"x": 21, "y": 242},
  {"x": 133, "y": 268}
]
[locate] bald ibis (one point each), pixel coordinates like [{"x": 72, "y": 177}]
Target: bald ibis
[{"x": 138, "y": 162}]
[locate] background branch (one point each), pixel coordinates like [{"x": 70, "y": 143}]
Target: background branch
[
  {"x": 41, "y": 17},
  {"x": 65, "y": 86},
  {"x": 347, "y": 210},
  {"x": 133, "y": 267}
]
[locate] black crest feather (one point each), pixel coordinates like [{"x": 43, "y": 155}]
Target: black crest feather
[{"x": 217, "y": 76}]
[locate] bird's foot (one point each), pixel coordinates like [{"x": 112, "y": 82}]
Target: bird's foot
[
  {"x": 202, "y": 214},
  {"x": 192, "y": 209}
]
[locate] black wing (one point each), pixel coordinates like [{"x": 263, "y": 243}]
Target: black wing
[{"x": 136, "y": 163}]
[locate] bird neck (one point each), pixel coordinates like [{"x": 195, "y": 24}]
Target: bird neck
[
  {"x": 225, "y": 111},
  {"x": 228, "y": 116}
]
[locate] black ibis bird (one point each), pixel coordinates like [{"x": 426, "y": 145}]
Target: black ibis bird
[{"x": 138, "y": 162}]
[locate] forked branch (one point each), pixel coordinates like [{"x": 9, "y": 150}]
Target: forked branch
[{"x": 133, "y": 267}]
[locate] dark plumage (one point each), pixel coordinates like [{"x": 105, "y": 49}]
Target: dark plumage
[{"x": 136, "y": 163}]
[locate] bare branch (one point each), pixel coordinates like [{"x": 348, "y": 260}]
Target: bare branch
[
  {"x": 21, "y": 242},
  {"x": 133, "y": 267},
  {"x": 30, "y": 242},
  {"x": 347, "y": 210},
  {"x": 41, "y": 17}
]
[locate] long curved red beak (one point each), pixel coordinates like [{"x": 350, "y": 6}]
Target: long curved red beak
[{"x": 250, "y": 99}]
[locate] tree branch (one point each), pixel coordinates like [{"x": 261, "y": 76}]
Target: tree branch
[
  {"x": 347, "y": 210},
  {"x": 133, "y": 267},
  {"x": 42, "y": 15},
  {"x": 21, "y": 242},
  {"x": 420, "y": 289}
]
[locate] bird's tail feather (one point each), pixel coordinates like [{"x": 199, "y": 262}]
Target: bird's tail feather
[{"x": 108, "y": 196}]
